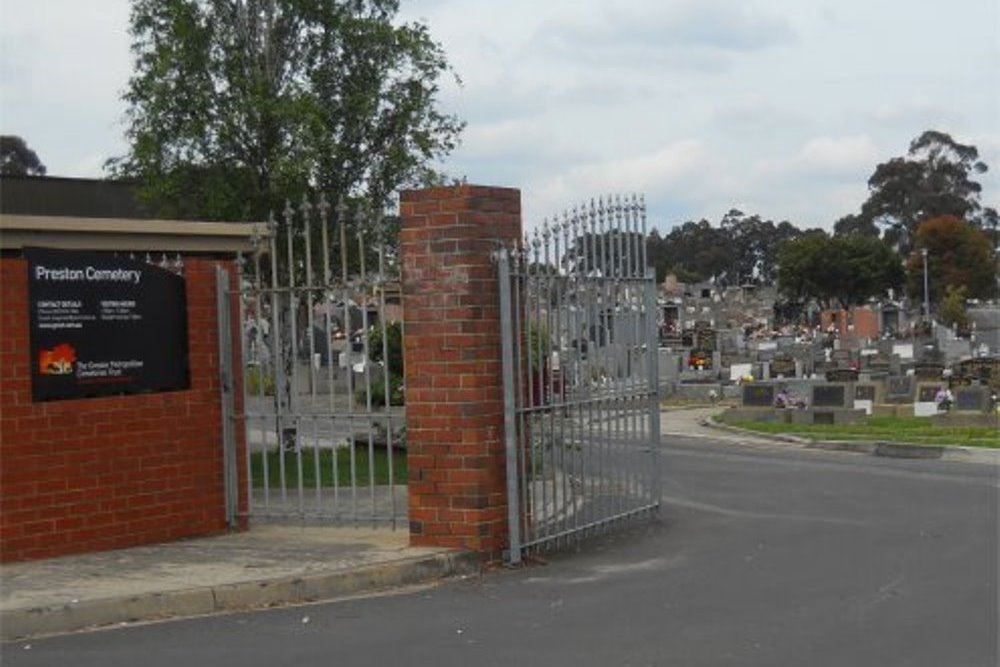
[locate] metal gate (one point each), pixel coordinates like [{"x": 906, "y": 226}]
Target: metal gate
[
  {"x": 580, "y": 378},
  {"x": 321, "y": 368}
]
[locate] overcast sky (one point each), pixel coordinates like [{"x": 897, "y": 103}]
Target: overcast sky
[{"x": 777, "y": 107}]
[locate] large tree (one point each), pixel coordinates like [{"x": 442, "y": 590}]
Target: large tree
[
  {"x": 237, "y": 105},
  {"x": 839, "y": 271},
  {"x": 755, "y": 245},
  {"x": 935, "y": 178},
  {"x": 17, "y": 159},
  {"x": 958, "y": 256}
]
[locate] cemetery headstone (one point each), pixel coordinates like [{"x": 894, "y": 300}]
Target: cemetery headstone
[
  {"x": 758, "y": 395},
  {"x": 925, "y": 405},
  {"x": 864, "y": 397},
  {"x": 899, "y": 389},
  {"x": 975, "y": 398},
  {"x": 829, "y": 396},
  {"x": 782, "y": 365}
]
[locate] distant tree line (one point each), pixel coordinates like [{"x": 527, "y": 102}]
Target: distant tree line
[{"x": 927, "y": 200}]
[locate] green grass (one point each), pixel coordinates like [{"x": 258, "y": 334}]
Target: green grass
[
  {"x": 916, "y": 430},
  {"x": 326, "y": 467}
]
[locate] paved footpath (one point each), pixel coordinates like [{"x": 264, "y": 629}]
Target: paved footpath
[{"x": 265, "y": 566}]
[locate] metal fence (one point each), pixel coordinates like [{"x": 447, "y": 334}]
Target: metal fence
[
  {"x": 581, "y": 400},
  {"x": 322, "y": 368}
]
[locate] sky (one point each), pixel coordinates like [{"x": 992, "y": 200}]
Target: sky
[{"x": 781, "y": 108}]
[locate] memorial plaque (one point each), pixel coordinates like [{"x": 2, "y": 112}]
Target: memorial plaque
[
  {"x": 758, "y": 395},
  {"x": 971, "y": 399},
  {"x": 783, "y": 366},
  {"x": 926, "y": 393},
  {"x": 828, "y": 396},
  {"x": 899, "y": 388},
  {"x": 864, "y": 392},
  {"x": 103, "y": 325}
]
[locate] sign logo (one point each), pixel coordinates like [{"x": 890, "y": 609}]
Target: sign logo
[{"x": 57, "y": 361}]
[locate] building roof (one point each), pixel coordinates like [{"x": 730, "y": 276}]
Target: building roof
[{"x": 70, "y": 197}]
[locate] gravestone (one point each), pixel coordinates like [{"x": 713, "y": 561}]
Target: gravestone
[
  {"x": 841, "y": 375},
  {"x": 758, "y": 395},
  {"x": 864, "y": 397},
  {"x": 928, "y": 370},
  {"x": 927, "y": 392},
  {"x": 899, "y": 389},
  {"x": 924, "y": 405},
  {"x": 782, "y": 365},
  {"x": 971, "y": 399},
  {"x": 841, "y": 358},
  {"x": 864, "y": 392},
  {"x": 829, "y": 396}
]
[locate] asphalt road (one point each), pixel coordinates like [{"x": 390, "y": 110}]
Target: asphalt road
[{"x": 761, "y": 555}]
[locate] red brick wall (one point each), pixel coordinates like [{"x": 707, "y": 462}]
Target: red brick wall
[
  {"x": 864, "y": 322},
  {"x": 103, "y": 473},
  {"x": 454, "y": 394}
]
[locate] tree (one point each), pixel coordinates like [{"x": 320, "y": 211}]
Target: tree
[
  {"x": 842, "y": 271},
  {"x": 755, "y": 246},
  {"x": 17, "y": 159},
  {"x": 958, "y": 256},
  {"x": 236, "y": 106},
  {"x": 934, "y": 179},
  {"x": 694, "y": 251},
  {"x": 952, "y": 311}
]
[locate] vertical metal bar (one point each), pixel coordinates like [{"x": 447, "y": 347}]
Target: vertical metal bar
[
  {"x": 523, "y": 393},
  {"x": 655, "y": 482},
  {"x": 293, "y": 314},
  {"x": 507, "y": 331},
  {"x": 226, "y": 381},
  {"x": 306, "y": 210},
  {"x": 366, "y": 352},
  {"x": 280, "y": 377},
  {"x": 261, "y": 385},
  {"x": 386, "y": 372}
]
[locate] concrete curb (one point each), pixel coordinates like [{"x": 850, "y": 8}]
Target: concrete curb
[
  {"x": 887, "y": 449},
  {"x": 22, "y": 623}
]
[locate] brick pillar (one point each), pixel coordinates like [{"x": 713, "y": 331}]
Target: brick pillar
[{"x": 454, "y": 390}]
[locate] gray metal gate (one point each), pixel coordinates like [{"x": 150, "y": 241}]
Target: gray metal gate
[
  {"x": 321, "y": 365},
  {"x": 580, "y": 379}
]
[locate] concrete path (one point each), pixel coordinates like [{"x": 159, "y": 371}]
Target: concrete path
[{"x": 265, "y": 566}]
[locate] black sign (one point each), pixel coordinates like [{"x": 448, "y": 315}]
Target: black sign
[
  {"x": 828, "y": 396},
  {"x": 758, "y": 395},
  {"x": 104, "y": 325},
  {"x": 971, "y": 398}
]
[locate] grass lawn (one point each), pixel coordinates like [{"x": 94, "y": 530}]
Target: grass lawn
[
  {"x": 328, "y": 467},
  {"x": 916, "y": 430}
]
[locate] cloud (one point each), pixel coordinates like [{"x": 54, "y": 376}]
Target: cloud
[
  {"x": 673, "y": 172},
  {"x": 687, "y": 34},
  {"x": 826, "y": 157}
]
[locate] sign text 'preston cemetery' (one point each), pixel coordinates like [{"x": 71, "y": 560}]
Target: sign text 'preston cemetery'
[{"x": 104, "y": 325}]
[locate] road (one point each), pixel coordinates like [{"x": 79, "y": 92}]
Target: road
[{"x": 761, "y": 555}]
